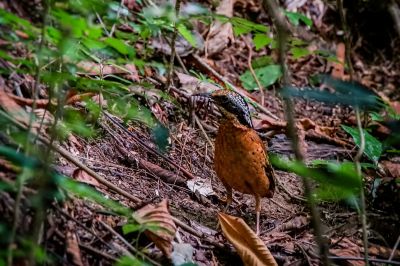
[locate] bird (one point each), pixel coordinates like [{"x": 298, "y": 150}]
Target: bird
[{"x": 240, "y": 160}]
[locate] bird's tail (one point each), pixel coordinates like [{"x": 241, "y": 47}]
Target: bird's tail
[{"x": 269, "y": 171}]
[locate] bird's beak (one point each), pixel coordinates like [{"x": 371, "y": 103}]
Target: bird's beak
[{"x": 202, "y": 95}]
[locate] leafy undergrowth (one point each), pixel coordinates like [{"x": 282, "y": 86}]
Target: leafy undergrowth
[{"x": 106, "y": 158}]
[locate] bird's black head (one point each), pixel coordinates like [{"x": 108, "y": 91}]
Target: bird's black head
[{"x": 234, "y": 104}]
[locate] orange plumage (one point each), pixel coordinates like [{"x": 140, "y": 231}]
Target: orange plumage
[{"x": 240, "y": 160}]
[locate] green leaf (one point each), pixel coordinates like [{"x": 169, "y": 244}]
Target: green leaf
[
  {"x": 120, "y": 46},
  {"x": 295, "y": 18},
  {"x": 336, "y": 180},
  {"x": 261, "y": 40},
  {"x": 160, "y": 135},
  {"x": 267, "y": 76},
  {"x": 242, "y": 26},
  {"x": 130, "y": 261},
  {"x": 346, "y": 93},
  {"x": 262, "y": 61},
  {"x": 187, "y": 34},
  {"x": 130, "y": 109},
  {"x": 85, "y": 191},
  {"x": 7, "y": 18},
  {"x": 129, "y": 228},
  {"x": 299, "y": 52},
  {"x": 373, "y": 147},
  {"x": 18, "y": 158},
  {"x": 376, "y": 116},
  {"x": 240, "y": 30}
]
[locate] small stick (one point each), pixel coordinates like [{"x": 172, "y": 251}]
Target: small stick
[
  {"x": 203, "y": 131},
  {"x": 132, "y": 248},
  {"x": 389, "y": 262},
  {"x": 394, "y": 248},
  {"x": 260, "y": 87},
  {"x": 173, "y": 41},
  {"x": 148, "y": 148}
]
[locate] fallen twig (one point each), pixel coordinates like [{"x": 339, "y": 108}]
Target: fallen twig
[
  {"x": 67, "y": 155},
  {"x": 390, "y": 262},
  {"x": 132, "y": 248},
  {"x": 164, "y": 174},
  {"x": 148, "y": 148}
]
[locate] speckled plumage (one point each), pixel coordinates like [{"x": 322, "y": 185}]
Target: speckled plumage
[{"x": 240, "y": 159}]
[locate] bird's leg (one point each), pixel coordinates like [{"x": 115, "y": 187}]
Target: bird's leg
[
  {"x": 228, "y": 197},
  {"x": 258, "y": 210},
  {"x": 228, "y": 201}
]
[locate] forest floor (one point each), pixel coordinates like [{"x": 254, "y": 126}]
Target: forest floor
[{"x": 285, "y": 219}]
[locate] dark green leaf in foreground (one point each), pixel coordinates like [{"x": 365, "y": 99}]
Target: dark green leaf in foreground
[
  {"x": 70, "y": 185},
  {"x": 346, "y": 93},
  {"x": 336, "y": 181},
  {"x": 373, "y": 147},
  {"x": 160, "y": 135},
  {"x": 85, "y": 191}
]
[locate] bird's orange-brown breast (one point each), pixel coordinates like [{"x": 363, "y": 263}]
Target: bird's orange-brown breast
[{"x": 240, "y": 159}]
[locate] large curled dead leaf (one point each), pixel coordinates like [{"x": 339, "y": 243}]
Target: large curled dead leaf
[
  {"x": 220, "y": 34},
  {"x": 250, "y": 248},
  {"x": 162, "y": 229}
]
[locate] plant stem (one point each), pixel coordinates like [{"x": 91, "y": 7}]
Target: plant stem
[
  {"x": 173, "y": 51},
  {"x": 357, "y": 158},
  {"x": 21, "y": 179},
  {"x": 357, "y": 163},
  {"x": 347, "y": 41},
  {"x": 282, "y": 33}
]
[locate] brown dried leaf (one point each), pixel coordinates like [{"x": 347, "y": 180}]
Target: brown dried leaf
[
  {"x": 79, "y": 97},
  {"x": 84, "y": 177},
  {"x": 338, "y": 67},
  {"x": 22, "y": 34},
  {"x": 395, "y": 106},
  {"x": 301, "y": 132},
  {"x": 44, "y": 117},
  {"x": 158, "y": 215},
  {"x": 12, "y": 108},
  {"x": 282, "y": 241},
  {"x": 192, "y": 85},
  {"x": 40, "y": 103},
  {"x": 250, "y": 248},
  {"x": 392, "y": 168},
  {"x": 220, "y": 34},
  {"x": 296, "y": 223},
  {"x": 347, "y": 248},
  {"x": 72, "y": 249},
  {"x": 91, "y": 68},
  {"x": 381, "y": 251}
]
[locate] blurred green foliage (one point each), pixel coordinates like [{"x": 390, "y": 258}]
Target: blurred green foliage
[{"x": 335, "y": 181}]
